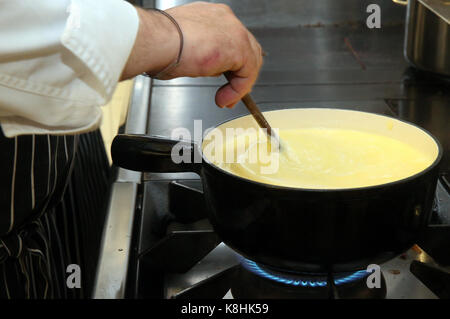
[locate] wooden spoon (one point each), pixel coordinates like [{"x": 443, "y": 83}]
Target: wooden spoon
[{"x": 257, "y": 114}]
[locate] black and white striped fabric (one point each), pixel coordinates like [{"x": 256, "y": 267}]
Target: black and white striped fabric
[{"x": 52, "y": 197}]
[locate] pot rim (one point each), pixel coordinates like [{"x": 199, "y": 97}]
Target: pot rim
[{"x": 433, "y": 165}]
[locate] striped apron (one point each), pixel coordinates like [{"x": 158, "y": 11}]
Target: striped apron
[{"x": 52, "y": 193}]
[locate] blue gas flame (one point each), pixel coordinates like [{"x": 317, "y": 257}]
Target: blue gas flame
[{"x": 258, "y": 270}]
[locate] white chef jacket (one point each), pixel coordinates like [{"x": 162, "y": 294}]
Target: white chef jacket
[{"x": 60, "y": 60}]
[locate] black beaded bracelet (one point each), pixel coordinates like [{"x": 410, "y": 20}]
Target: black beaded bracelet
[{"x": 177, "y": 61}]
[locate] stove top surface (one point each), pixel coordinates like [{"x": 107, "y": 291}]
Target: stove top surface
[
  {"x": 400, "y": 282},
  {"x": 186, "y": 259},
  {"x": 326, "y": 66}
]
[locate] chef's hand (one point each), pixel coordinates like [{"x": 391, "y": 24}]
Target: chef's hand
[{"x": 215, "y": 41}]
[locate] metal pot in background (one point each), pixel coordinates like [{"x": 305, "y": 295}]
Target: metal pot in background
[{"x": 427, "y": 35}]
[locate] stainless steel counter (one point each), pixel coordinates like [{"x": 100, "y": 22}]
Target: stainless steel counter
[
  {"x": 294, "y": 13},
  {"x": 112, "y": 269}
]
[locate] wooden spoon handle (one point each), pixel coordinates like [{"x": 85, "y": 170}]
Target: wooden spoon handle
[{"x": 255, "y": 112}]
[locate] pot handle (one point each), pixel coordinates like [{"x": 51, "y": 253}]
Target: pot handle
[{"x": 154, "y": 154}]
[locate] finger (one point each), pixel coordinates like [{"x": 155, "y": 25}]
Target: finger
[
  {"x": 257, "y": 49},
  {"x": 259, "y": 53},
  {"x": 221, "y": 102},
  {"x": 242, "y": 80},
  {"x": 230, "y": 93}
]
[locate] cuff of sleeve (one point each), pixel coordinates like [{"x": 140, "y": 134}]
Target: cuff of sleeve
[{"x": 102, "y": 34}]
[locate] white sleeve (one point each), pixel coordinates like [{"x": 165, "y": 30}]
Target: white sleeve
[{"x": 60, "y": 60}]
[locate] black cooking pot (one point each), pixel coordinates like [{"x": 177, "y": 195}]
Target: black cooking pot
[{"x": 304, "y": 229}]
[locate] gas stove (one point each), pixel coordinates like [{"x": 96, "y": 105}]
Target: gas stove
[
  {"x": 179, "y": 256},
  {"x": 158, "y": 242}
]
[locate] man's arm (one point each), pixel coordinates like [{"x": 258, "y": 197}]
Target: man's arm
[
  {"x": 215, "y": 42},
  {"x": 61, "y": 60}
]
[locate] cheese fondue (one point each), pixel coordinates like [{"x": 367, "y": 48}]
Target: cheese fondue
[{"x": 324, "y": 158}]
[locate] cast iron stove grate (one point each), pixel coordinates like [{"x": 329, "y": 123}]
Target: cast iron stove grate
[{"x": 183, "y": 247}]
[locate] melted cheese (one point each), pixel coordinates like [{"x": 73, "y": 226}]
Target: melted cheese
[{"x": 322, "y": 158}]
